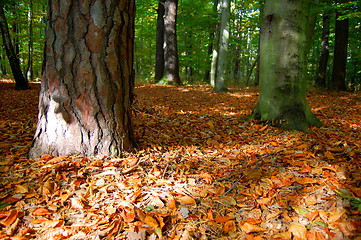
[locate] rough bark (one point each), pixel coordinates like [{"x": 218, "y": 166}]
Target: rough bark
[
  {"x": 171, "y": 48},
  {"x": 283, "y": 48},
  {"x": 338, "y": 81},
  {"x": 325, "y": 52},
  {"x": 159, "y": 57},
  {"x": 20, "y": 81},
  {"x": 87, "y": 87},
  {"x": 223, "y": 48}
]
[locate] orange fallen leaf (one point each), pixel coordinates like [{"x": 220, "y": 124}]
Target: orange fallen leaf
[
  {"x": 306, "y": 180},
  {"x": 39, "y": 220},
  {"x": 151, "y": 221},
  {"x": 171, "y": 203},
  {"x": 53, "y": 223},
  {"x": 298, "y": 230},
  {"x": 222, "y": 219},
  {"x": 248, "y": 228},
  {"x": 230, "y": 226},
  {"x": 264, "y": 201},
  {"x": 10, "y": 219},
  {"x": 41, "y": 212},
  {"x": 187, "y": 200},
  {"x": 23, "y": 188}
]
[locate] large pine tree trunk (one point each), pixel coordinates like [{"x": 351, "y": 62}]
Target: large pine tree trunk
[
  {"x": 86, "y": 92},
  {"x": 338, "y": 81},
  {"x": 159, "y": 55},
  {"x": 171, "y": 48},
  {"x": 21, "y": 82},
  {"x": 283, "y": 49}
]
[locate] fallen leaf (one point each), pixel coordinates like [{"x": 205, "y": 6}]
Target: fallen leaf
[
  {"x": 248, "y": 228},
  {"x": 298, "y": 230},
  {"x": 222, "y": 219},
  {"x": 230, "y": 226},
  {"x": 187, "y": 200},
  {"x": 10, "y": 219},
  {"x": 40, "y": 212},
  {"x": 24, "y": 188}
]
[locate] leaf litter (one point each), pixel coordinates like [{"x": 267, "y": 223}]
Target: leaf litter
[{"x": 201, "y": 172}]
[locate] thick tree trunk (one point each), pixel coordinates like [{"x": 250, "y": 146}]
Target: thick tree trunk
[
  {"x": 159, "y": 55},
  {"x": 223, "y": 48},
  {"x": 20, "y": 81},
  {"x": 171, "y": 48},
  {"x": 87, "y": 90},
  {"x": 283, "y": 49},
  {"x": 325, "y": 52},
  {"x": 338, "y": 81}
]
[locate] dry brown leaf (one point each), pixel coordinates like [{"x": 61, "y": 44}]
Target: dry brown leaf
[
  {"x": 187, "y": 200},
  {"x": 151, "y": 221},
  {"x": 230, "y": 226},
  {"x": 10, "y": 219},
  {"x": 41, "y": 212},
  {"x": 249, "y": 228},
  {"x": 53, "y": 223},
  {"x": 23, "y": 188},
  {"x": 282, "y": 236},
  {"x": 298, "y": 230},
  {"x": 223, "y": 219},
  {"x": 336, "y": 214}
]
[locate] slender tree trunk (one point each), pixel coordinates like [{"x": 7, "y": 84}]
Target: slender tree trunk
[
  {"x": 325, "y": 52},
  {"x": 171, "y": 48},
  {"x": 29, "y": 70},
  {"x": 87, "y": 88},
  {"x": 20, "y": 81},
  {"x": 338, "y": 81},
  {"x": 159, "y": 55},
  {"x": 211, "y": 46},
  {"x": 223, "y": 48},
  {"x": 283, "y": 51}
]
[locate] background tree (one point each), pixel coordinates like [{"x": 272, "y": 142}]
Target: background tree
[
  {"x": 88, "y": 82},
  {"x": 223, "y": 47},
  {"x": 283, "y": 65},
  {"x": 338, "y": 81},
  {"x": 325, "y": 52},
  {"x": 21, "y": 82},
  {"x": 159, "y": 55},
  {"x": 171, "y": 46}
]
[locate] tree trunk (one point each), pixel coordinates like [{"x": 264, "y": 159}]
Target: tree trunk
[
  {"x": 29, "y": 69},
  {"x": 325, "y": 52},
  {"x": 338, "y": 81},
  {"x": 211, "y": 45},
  {"x": 171, "y": 48},
  {"x": 159, "y": 56},
  {"x": 20, "y": 81},
  {"x": 283, "y": 50},
  {"x": 87, "y": 90},
  {"x": 223, "y": 48}
]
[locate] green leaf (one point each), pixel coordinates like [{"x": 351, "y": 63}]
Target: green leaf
[
  {"x": 300, "y": 210},
  {"x": 319, "y": 223}
]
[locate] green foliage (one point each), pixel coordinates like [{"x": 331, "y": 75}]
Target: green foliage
[
  {"x": 354, "y": 201},
  {"x": 18, "y": 17}
]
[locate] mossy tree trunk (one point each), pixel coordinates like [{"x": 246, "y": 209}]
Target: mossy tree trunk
[
  {"x": 283, "y": 50},
  {"x": 87, "y": 90}
]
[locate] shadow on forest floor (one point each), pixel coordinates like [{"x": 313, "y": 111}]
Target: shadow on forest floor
[{"x": 201, "y": 172}]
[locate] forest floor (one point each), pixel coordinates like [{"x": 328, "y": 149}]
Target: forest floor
[{"x": 201, "y": 172}]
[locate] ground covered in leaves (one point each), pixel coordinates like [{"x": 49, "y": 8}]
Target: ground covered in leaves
[{"x": 201, "y": 172}]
